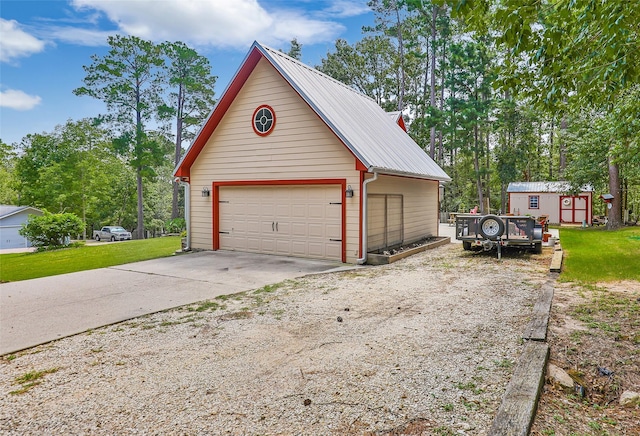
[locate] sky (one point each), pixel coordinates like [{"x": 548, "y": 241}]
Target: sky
[{"x": 45, "y": 43}]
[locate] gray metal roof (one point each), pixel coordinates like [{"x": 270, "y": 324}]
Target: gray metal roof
[
  {"x": 7, "y": 210},
  {"x": 561, "y": 187},
  {"x": 371, "y": 134}
]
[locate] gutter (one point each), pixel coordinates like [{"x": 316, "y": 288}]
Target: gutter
[
  {"x": 363, "y": 259},
  {"x": 187, "y": 211}
]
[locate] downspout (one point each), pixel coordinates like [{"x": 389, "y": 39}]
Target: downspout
[
  {"x": 187, "y": 211},
  {"x": 363, "y": 259}
]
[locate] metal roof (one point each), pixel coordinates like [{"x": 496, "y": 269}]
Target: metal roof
[
  {"x": 561, "y": 187},
  {"x": 371, "y": 134},
  {"x": 7, "y": 210}
]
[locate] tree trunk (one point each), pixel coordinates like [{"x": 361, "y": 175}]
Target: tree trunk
[
  {"x": 488, "y": 175},
  {"x": 614, "y": 215},
  {"x": 401, "y": 55},
  {"x": 175, "y": 213},
  {"x": 139, "y": 146},
  {"x": 551, "y": 148},
  {"x": 432, "y": 94},
  {"x": 441, "y": 105},
  {"x": 140, "y": 229},
  {"x": 476, "y": 167},
  {"x": 561, "y": 148}
]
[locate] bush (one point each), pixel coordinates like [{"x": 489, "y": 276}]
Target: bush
[
  {"x": 51, "y": 230},
  {"x": 176, "y": 225}
]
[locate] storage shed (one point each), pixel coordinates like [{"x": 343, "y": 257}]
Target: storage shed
[
  {"x": 552, "y": 199},
  {"x": 293, "y": 162},
  {"x": 11, "y": 220}
]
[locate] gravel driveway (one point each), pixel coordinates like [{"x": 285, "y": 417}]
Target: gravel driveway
[{"x": 423, "y": 346}]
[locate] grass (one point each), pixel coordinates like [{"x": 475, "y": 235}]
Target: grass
[
  {"x": 24, "y": 266},
  {"x": 598, "y": 255},
  {"x": 30, "y": 380}
]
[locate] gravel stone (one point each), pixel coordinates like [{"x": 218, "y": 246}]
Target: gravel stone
[{"x": 427, "y": 346}]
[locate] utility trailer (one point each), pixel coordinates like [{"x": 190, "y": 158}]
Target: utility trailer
[{"x": 488, "y": 232}]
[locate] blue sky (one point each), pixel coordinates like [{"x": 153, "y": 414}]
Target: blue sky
[{"x": 45, "y": 43}]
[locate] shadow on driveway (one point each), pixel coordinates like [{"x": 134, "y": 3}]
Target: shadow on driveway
[{"x": 33, "y": 312}]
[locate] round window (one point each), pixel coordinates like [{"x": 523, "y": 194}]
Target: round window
[{"x": 264, "y": 120}]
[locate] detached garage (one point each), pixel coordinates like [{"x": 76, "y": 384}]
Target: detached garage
[
  {"x": 292, "y": 162},
  {"x": 11, "y": 220},
  {"x": 552, "y": 199}
]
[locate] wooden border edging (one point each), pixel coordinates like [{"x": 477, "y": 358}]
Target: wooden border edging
[
  {"x": 537, "y": 328},
  {"x": 381, "y": 259},
  {"x": 517, "y": 411},
  {"x": 556, "y": 260}
]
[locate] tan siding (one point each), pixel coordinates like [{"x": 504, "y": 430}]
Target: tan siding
[
  {"x": 300, "y": 147},
  {"x": 420, "y": 204}
]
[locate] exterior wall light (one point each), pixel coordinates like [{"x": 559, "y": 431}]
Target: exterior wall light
[
  {"x": 205, "y": 192},
  {"x": 349, "y": 192}
]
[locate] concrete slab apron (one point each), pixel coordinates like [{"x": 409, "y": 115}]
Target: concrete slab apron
[{"x": 34, "y": 312}]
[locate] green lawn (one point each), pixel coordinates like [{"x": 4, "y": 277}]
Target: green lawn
[
  {"x": 23, "y": 266},
  {"x": 598, "y": 255}
]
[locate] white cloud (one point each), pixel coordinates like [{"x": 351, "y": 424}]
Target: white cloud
[
  {"x": 15, "y": 42},
  {"x": 78, "y": 36},
  {"x": 18, "y": 100},
  {"x": 347, "y": 8},
  {"x": 221, "y": 23}
]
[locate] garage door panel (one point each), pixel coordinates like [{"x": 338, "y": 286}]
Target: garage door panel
[
  {"x": 316, "y": 249},
  {"x": 253, "y": 244},
  {"x": 299, "y": 230},
  {"x": 316, "y": 211},
  {"x": 299, "y": 211},
  {"x": 333, "y": 250},
  {"x": 316, "y": 230},
  {"x": 299, "y": 248},
  {"x": 268, "y": 245},
  {"x": 333, "y": 231},
  {"x": 287, "y": 220},
  {"x": 283, "y": 229},
  {"x": 283, "y": 247}
]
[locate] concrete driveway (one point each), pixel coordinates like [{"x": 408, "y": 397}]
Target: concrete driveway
[{"x": 37, "y": 311}]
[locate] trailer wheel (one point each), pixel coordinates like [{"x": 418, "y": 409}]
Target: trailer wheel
[
  {"x": 466, "y": 245},
  {"x": 491, "y": 227},
  {"x": 537, "y": 248}
]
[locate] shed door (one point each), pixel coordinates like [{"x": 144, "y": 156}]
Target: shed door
[
  {"x": 300, "y": 220},
  {"x": 384, "y": 221},
  {"x": 574, "y": 209}
]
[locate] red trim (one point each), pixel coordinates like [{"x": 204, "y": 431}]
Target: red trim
[
  {"x": 360, "y": 215},
  {"x": 216, "y": 208},
  {"x": 401, "y": 123},
  {"x": 508, "y": 203},
  {"x": 215, "y": 221},
  {"x": 253, "y": 120},
  {"x": 219, "y": 111},
  {"x": 538, "y": 202},
  {"x": 359, "y": 165}
]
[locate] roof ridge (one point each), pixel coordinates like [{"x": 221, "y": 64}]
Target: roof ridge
[{"x": 315, "y": 71}]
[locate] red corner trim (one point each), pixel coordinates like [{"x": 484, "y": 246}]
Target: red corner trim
[
  {"x": 216, "y": 214},
  {"x": 401, "y": 123},
  {"x": 360, "y": 215}
]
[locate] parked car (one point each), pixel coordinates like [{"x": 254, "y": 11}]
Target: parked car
[
  {"x": 487, "y": 232},
  {"x": 111, "y": 233}
]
